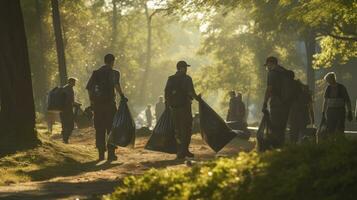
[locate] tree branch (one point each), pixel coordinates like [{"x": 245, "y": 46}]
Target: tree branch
[{"x": 346, "y": 38}]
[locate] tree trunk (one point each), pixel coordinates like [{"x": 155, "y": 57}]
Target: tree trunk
[
  {"x": 143, "y": 93},
  {"x": 59, "y": 42},
  {"x": 17, "y": 116},
  {"x": 310, "y": 46},
  {"x": 40, "y": 80},
  {"x": 114, "y": 25}
]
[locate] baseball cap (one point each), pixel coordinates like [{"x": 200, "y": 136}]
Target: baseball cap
[
  {"x": 182, "y": 64},
  {"x": 271, "y": 59}
]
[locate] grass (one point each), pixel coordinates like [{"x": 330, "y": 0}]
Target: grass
[
  {"x": 308, "y": 171},
  {"x": 50, "y": 159}
]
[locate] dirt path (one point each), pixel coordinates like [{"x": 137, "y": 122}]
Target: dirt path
[{"x": 102, "y": 177}]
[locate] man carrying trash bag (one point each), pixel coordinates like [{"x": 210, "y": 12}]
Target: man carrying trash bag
[
  {"x": 179, "y": 93},
  {"x": 101, "y": 86}
]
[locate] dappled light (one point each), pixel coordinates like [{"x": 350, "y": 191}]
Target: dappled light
[{"x": 141, "y": 99}]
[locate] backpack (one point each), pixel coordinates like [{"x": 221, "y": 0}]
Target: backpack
[
  {"x": 103, "y": 89},
  {"x": 56, "y": 99},
  {"x": 175, "y": 93},
  {"x": 289, "y": 87}
]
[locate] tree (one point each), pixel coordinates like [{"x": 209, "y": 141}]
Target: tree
[
  {"x": 17, "y": 116},
  {"x": 306, "y": 21},
  {"x": 59, "y": 42},
  {"x": 34, "y": 13},
  {"x": 149, "y": 16}
]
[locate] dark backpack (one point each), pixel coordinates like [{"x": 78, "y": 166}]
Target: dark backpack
[
  {"x": 289, "y": 87},
  {"x": 103, "y": 89},
  {"x": 56, "y": 99},
  {"x": 176, "y": 94}
]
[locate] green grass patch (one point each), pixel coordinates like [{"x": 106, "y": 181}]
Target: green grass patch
[
  {"x": 327, "y": 171},
  {"x": 50, "y": 159}
]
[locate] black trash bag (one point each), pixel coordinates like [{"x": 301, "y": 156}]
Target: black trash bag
[
  {"x": 241, "y": 129},
  {"x": 262, "y": 134},
  {"x": 163, "y": 136},
  {"x": 83, "y": 118},
  {"x": 321, "y": 133},
  {"x": 214, "y": 130},
  {"x": 244, "y": 135},
  {"x": 123, "y": 130}
]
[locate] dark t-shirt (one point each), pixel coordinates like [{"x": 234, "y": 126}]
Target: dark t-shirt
[
  {"x": 69, "y": 96},
  {"x": 182, "y": 86},
  {"x": 340, "y": 93},
  {"x": 104, "y": 77}
]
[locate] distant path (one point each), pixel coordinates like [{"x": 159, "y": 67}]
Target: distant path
[{"x": 102, "y": 180}]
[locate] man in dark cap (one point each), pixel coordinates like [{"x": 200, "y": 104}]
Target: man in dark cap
[
  {"x": 101, "y": 89},
  {"x": 278, "y": 108},
  {"x": 179, "y": 93}
]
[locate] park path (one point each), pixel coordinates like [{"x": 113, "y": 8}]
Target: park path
[{"x": 102, "y": 178}]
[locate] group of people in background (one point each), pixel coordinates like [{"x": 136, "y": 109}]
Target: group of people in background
[
  {"x": 289, "y": 102},
  {"x": 285, "y": 108},
  {"x": 159, "y": 109}
]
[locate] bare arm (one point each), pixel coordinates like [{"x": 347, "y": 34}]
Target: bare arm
[
  {"x": 191, "y": 92},
  {"x": 267, "y": 95},
  {"x": 348, "y": 102},
  {"x": 324, "y": 105},
  {"x": 356, "y": 109},
  {"x": 119, "y": 90}
]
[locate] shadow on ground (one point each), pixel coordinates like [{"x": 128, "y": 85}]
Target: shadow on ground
[
  {"x": 72, "y": 168},
  {"x": 59, "y": 190}
]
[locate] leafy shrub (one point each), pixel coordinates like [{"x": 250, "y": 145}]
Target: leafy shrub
[{"x": 327, "y": 171}]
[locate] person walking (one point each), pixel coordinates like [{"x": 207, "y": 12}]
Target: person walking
[
  {"x": 301, "y": 113},
  {"x": 336, "y": 102},
  {"x": 159, "y": 108},
  {"x": 101, "y": 89},
  {"x": 148, "y": 115},
  {"x": 67, "y": 115},
  {"x": 179, "y": 93},
  {"x": 274, "y": 102}
]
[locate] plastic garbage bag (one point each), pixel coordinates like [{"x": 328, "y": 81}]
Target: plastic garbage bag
[
  {"x": 262, "y": 133},
  {"x": 214, "y": 130},
  {"x": 123, "y": 130},
  {"x": 163, "y": 136}
]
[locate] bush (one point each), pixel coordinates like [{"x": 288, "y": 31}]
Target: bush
[{"x": 327, "y": 171}]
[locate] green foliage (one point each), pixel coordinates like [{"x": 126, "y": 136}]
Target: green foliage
[
  {"x": 334, "y": 51},
  {"x": 239, "y": 52},
  {"x": 325, "y": 171},
  {"x": 298, "y": 20},
  {"x": 89, "y": 33}
]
